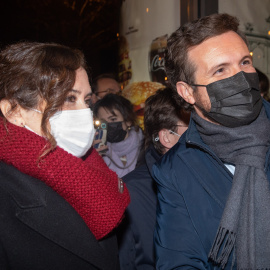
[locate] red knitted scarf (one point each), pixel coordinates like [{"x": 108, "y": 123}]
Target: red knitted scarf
[{"x": 88, "y": 185}]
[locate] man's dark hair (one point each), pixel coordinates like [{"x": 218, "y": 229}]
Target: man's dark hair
[
  {"x": 162, "y": 111},
  {"x": 177, "y": 65},
  {"x": 94, "y": 84}
]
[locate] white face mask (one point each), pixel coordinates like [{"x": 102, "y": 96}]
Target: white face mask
[{"x": 73, "y": 130}]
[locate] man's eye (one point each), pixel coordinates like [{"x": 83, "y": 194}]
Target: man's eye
[
  {"x": 220, "y": 70},
  {"x": 246, "y": 62}
]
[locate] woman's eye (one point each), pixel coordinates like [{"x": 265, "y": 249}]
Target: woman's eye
[
  {"x": 71, "y": 99},
  {"x": 88, "y": 102}
]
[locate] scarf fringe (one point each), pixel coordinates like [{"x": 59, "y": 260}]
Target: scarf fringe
[{"x": 224, "y": 240}]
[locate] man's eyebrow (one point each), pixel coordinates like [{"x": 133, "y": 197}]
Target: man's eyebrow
[
  {"x": 245, "y": 57},
  {"x": 214, "y": 68}
]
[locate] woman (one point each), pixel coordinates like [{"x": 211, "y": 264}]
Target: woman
[
  {"x": 124, "y": 138},
  {"x": 59, "y": 201}
]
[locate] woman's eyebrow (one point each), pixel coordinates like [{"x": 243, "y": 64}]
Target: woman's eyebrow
[
  {"x": 75, "y": 91},
  {"x": 89, "y": 95}
]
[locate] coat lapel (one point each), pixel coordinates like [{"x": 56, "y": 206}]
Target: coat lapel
[
  {"x": 211, "y": 173},
  {"x": 49, "y": 214},
  {"x": 216, "y": 183}
]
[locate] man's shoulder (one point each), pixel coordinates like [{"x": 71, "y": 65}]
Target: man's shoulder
[
  {"x": 174, "y": 153},
  {"x": 183, "y": 158},
  {"x": 266, "y": 105}
]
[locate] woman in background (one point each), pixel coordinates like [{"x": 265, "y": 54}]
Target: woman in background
[
  {"x": 124, "y": 137},
  {"x": 59, "y": 201}
]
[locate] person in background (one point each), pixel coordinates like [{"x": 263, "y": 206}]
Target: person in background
[
  {"x": 104, "y": 84},
  {"x": 59, "y": 201},
  {"x": 264, "y": 84},
  {"x": 164, "y": 123},
  {"x": 213, "y": 188},
  {"x": 124, "y": 137}
]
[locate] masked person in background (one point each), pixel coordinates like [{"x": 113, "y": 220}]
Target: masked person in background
[
  {"x": 59, "y": 201},
  {"x": 164, "y": 123},
  {"x": 124, "y": 137},
  {"x": 213, "y": 188}
]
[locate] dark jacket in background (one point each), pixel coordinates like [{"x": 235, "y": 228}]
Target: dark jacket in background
[
  {"x": 136, "y": 249},
  {"x": 40, "y": 230}
]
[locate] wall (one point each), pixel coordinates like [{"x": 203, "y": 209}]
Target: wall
[
  {"x": 254, "y": 13},
  {"x": 141, "y": 22}
]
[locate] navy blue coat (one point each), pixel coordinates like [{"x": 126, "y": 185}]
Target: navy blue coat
[
  {"x": 136, "y": 233},
  {"x": 193, "y": 186}
]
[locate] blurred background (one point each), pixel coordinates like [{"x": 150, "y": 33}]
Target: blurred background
[
  {"x": 127, "y": 37},
  {"x": 90, "y": 25}
]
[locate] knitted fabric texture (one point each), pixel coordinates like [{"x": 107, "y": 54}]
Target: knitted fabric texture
[{"x": 89, "y": 186}]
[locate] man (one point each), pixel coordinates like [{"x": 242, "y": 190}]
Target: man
[
  {"x": 163, "y": 127},
  {"x": 213, "y": 188},
  {"x": 103, "y": 85}
]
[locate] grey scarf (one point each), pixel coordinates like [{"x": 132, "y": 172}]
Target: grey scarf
[{"x": 245, "y": 223}]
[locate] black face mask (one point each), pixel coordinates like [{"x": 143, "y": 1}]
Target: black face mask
[
  {"x": 115, "y": 132},
  {"x": 235, "y": 101}
]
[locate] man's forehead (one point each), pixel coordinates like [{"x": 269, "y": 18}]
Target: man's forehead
[{"x": 217, "y": 50}]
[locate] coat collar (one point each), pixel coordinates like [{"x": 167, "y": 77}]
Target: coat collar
[
  {"x": 43, "y": 210},
  {"x": 151, "y": 156}
]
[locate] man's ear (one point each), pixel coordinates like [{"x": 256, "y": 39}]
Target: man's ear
[
  {"x": 14, "y": 116},
  {"x": 164, "y": 138},
  {"x": 186, "y": 92}
]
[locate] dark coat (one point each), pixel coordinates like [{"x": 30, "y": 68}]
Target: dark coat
[
  {"x": 136, "y": 248},
  {"x": 193, "y": 186},
  {"x": 40, "y": 230}
]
